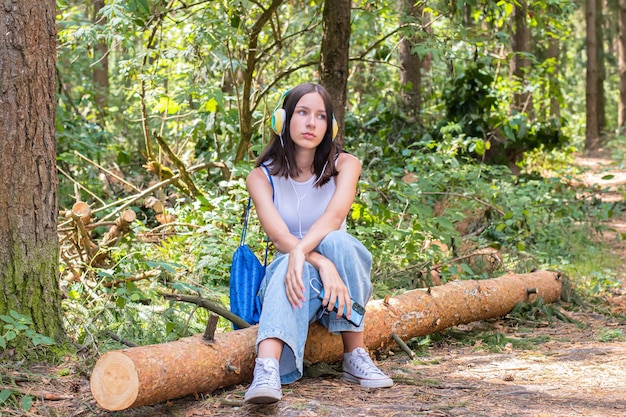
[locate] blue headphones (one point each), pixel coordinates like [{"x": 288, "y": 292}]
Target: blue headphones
[{"x": 279, "y": 116}]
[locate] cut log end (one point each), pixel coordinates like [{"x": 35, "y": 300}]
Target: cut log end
[{"x": 114, "y": 381}]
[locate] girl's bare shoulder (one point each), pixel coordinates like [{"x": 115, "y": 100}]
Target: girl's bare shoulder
[{"x": 347, "y": 161}]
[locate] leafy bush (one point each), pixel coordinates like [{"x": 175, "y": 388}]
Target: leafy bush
[{"x": 18, "y": 326}]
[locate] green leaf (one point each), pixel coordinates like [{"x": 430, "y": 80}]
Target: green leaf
[
  {"x": 143, "y": 6},
  {"x": 480, "y": 147},
  {"x": 106, "y": 273},
  {"x": 168, "y": 105},
  {"x": 39, "y": 339},
  {"x": 210, "y": 105},
  {"x": 508, "y": 132},
  {"x": 4, "y": 395},
  {"x": 168, "y": 266},
  {"x": 10, "y": 335},
  {"x": 169, "y": 327},
  {"x": 120, "y": 302},
  {"x": 27, "y": 402},
  {"x": 7, "y": 319}
]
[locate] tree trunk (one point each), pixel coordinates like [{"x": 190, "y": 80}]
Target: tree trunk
[
  {"x": 601, "y": 106},
  {"x": 622, "y": 66},
  {"x": 101, "y": 69},
  {"x": 553, "y": 80},
  {"x": 29, "y": 282},
  {"x": 410, "y": 62},
  {"x": 334, "y": 56},
  {"x": 520, "y": 63},
  {"x": 251, "y": 59},
  {"x": 592, "y": 136},
  {"x": 145, "y": 375}
]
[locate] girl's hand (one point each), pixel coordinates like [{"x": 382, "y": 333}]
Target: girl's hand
[
  {"x": 293, "y": 279},
  {"x": 335, "y": 291}
]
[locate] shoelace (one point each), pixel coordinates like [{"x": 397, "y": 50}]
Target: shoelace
[
  {"x": 366, "y": 364},
  {"x": 266, "y": 375}
]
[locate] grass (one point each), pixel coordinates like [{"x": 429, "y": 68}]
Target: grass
[{"x": 611, "y": 335}]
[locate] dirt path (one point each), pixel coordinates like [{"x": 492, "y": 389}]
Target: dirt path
[{"x": 567, "y": 369}]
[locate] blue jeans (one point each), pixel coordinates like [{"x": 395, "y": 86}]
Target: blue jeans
[{"x": 290, "y": 324}]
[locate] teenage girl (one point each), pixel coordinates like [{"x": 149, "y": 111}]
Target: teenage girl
[{"x": 303, "y": 186}]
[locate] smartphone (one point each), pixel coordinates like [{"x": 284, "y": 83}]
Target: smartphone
[{"x": 358, "y": 311}]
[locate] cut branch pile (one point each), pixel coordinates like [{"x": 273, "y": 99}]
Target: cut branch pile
[
  {"x": 145, "y": 375},
  {"x": 81, "y": 249},
  {"x": 78, "y": 246}
]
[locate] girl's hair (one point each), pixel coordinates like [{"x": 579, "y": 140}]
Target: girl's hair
[{"x": 281, "y": 151}]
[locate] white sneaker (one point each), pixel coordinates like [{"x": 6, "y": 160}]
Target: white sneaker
[
  {"x": 265, "y": 388},
  {"x": 358, "y": 367}
]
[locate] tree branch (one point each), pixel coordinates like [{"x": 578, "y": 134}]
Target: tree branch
[
  {"x": 500, "y": 211},
  {"x": 215, "y": 308}
]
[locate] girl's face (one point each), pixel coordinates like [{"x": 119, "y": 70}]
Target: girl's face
[{"x": 309, "y": 121}]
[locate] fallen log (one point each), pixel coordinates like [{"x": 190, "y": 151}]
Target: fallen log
[{"x": 144, "y": 375}]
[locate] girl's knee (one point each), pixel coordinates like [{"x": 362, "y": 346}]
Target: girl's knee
[{"x": 340, "y": 240}]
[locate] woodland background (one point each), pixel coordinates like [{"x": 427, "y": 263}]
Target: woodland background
[{"x": 135, "y": 122}]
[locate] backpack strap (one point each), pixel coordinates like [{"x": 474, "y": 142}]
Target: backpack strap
[{"x": 247, "y": 217}]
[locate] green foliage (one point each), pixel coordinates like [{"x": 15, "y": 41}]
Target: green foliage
[
  {"x": 471, "y": 113},
  {"x": 612, "y": 335},
  {"x": 599, "y": 281},
  {"x": 469, "y": 100},
  {"x": 16, "y": 399},
  {"x": 180, "y": 68},
  {"x": 17, "y": 329},
  {"x": 419, "y": 345},
  {"x": 481, "y": 339},
  {"x": 536, "y": 311},
  {"x": 499, "y": 342}
]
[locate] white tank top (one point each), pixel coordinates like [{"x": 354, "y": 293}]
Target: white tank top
[{"x": 300, "y": 204}]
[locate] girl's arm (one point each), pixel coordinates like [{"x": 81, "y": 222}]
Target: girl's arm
[
  {"x": 300, "y": 250},
  {"x": 349, "y": 169}
]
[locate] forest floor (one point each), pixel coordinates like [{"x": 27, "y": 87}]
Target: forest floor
[{"x": 567, "y": 369}]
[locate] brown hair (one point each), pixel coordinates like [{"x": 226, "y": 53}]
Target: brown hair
[{"x": 282, "y": 154}]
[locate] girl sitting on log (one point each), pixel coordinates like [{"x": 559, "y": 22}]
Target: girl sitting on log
[{"x": 303, "y": 187}]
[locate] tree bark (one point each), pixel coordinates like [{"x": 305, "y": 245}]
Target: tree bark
[
  {"x": 592, "y": 135},
  {"x": 145, "y": 375},
  {"x": 334, "y": 56},
  {"x": 29, "y": 281},
  {"x": 553, "y": 77},
  {"x": 601, "y": 106},
  {"x": 520, "y": 63},
  {"x": 245, "y": 108},
  {"x": 595, "y": 101},
  {"x": 410, "y": 62},
  {"x": 101, "y": 69},
  {"x": 622, "y": 65}
]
